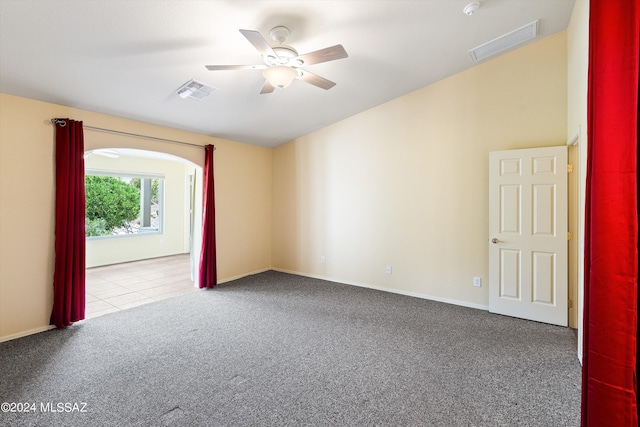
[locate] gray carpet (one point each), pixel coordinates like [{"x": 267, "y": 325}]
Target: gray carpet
[{"x": 276, "y": 349}]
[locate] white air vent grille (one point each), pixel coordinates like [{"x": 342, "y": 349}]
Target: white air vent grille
[
  {"x": 194, "y": 89},
  {"x": 505, "y": 42}
]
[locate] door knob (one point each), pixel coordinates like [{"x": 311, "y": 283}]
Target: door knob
[{"x": 494, "y": 240}]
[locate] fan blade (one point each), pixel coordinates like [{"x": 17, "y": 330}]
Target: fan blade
[
  {"x": 256, "y": 39},
  {"x": 267, "y": 87},
  {"x": 323, "y": 55},
  {"x": 316, "y": 80},
  {"x": 235, "y": 67}
]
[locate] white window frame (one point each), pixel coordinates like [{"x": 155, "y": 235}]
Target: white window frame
[{"x": 145, "y": 175}]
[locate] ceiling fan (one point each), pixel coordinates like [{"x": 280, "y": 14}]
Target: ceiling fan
[{"x": 282, "y": 63}]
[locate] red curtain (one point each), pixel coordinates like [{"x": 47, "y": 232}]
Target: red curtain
[
  {"x": 208, "y": 269},
  {"x": 611, "y": 234},
  {"x": 69, "y": 264}
]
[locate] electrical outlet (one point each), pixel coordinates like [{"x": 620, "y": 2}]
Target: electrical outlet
[
  {"x": 477, "y": 282},
  {"x": 323, "y": 260},
  {"x": 388, "y": 269}
]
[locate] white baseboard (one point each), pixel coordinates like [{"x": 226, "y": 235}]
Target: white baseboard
[
  {"x": 313, "y": 276},
  {"x": 393, "y": 291},
  {"x": 26, "y": 333},
  {"x": 229, "y": 279}
]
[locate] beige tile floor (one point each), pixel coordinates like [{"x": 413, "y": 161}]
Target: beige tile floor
[{"x": 121, "y": 286}]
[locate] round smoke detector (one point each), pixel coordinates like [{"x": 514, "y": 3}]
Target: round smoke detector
[{"x": 471, "y": 8}]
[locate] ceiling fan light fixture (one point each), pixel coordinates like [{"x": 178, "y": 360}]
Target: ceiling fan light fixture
[
  {"x": 281, "y": 62},
  {"x": 279, "y": 75}
]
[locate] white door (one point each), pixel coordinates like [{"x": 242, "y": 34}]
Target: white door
[{"x": 528, "y": 268}]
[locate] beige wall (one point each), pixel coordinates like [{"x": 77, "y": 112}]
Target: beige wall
[
  {"x": 243, "y": 201},
  {"x": 112, "y": 250},
  {"x": 405, "y": 183},
  {"x": 577, "y": 69}
]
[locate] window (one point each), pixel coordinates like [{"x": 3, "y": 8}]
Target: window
[{"x": 123, "y": 205}]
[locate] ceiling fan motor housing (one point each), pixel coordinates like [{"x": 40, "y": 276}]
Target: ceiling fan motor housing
[
  {"x": 285, "y": 54},
  {"x": 283, "y": 62}
]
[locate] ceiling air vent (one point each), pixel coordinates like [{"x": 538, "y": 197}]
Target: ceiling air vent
[
  {"x": 194, "y": 89},
  {"x": 505, "y": 42}
]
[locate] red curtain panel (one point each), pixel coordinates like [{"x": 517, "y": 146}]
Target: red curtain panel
[
  {"x": 69, "y": 264},
  {"x": 208, "y": 269},
  {"x": 611, "y": 224},
  {"x": 638, "y": 210}
]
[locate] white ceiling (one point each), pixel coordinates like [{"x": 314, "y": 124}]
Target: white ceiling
[{"x": 127, "y": 58}]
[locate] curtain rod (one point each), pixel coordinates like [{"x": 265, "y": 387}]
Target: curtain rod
[{"x": 62, "y": 122}]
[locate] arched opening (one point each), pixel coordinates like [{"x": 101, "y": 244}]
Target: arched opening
[{"x": 143, "y": 244}]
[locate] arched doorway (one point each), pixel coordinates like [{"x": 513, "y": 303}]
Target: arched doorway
[{"x": 154, "y": 256}]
